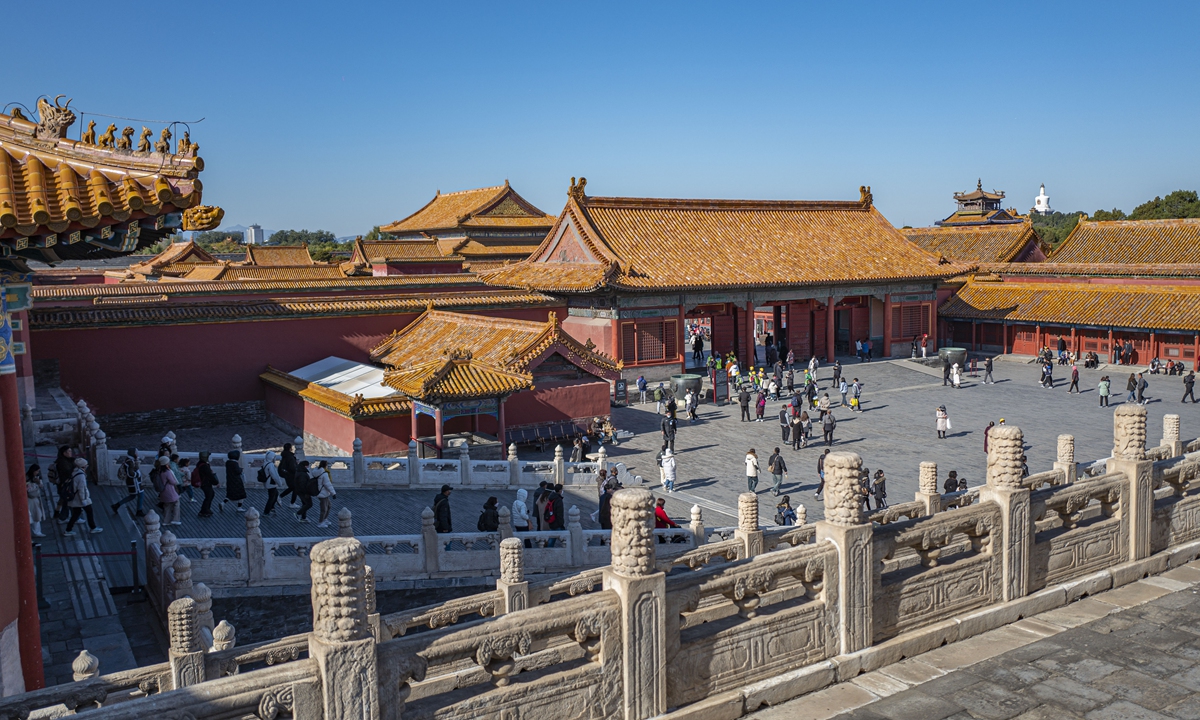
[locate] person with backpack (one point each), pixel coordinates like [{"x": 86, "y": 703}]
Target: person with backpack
[
  {"x": 208, "y": 481},
  {"x": 306, "y": 488},
  {"x": 778, "y": 470},
  {"x": 81, "y": 499},
  {"x": 880, "y": 490},
  {"x": 641, "y": 386},
  {"x": 235, "y": 484},
  {"x": 131, "y": 472},
  {"x": 268, "y": 475},
  {"x": 785, "y": 514},
  {"x": 288, "y": 470},
  {"x": 556, "y": 517},
  {"x": 60, "y": 476},
  {"x": 539, "y": 504},
  {"x": 669, "y": 428},
  {"x": 489, "y": 517},
  {"x": 325, "y": 492},
  {"x": 658, "y": 399},
  {"x": 169, "y": 493},
  {"x": 441, "y": 511},
  {"x": 828, "y": 423}
]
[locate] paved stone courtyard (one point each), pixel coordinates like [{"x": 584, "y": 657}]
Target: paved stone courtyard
[
  {"x": 895, "y": 432},
  {"x": 1129, "y": 654}
]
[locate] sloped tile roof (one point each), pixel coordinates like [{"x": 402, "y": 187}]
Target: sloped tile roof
[
  {"x": 456, "y": 376},
  {"x": 351, "y": 406},
  {"x": 48, "y": 294},
  {"x": 276, "y": 272},
  {"x": 497, "y": 206},
  {"x": 983, "y": 243},
  {"x": 662, "y": 244},
  {"x": 1077, "y": 303},
  {"x": 278, "y": 255},
  {"x": 1131, "y": 270},
  {"x": 1131, "y": 241},
  {"x": 176, "y": 254},
  {"x": 399, "y": 251}
]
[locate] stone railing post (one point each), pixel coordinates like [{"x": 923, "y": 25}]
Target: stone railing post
[
  {"x": 298, "y": 448},
  {"x": 153, "y": 525},
  {"x": 28, "y": 426},
  {"x": 373, "y": 621},
  {"x": 1129, "y": 459},
  {"x": 847, "y": 527},
  {"x": 345, "y": 523},
  {"x": 464, "y": 465},
  {"x": 801, "y": 515},
  {"x": 224, "y": 636},
  {"x": 1006, "y": 455},
  {"x": 204, "y": 616},
  {"x": 429, "y": 540},
  {"x": 104, "y": 472},
  {"x": 1170, "y": 435},
  {"x": 183, "y": 577},
  {"x": 697, "y": 526},
  {"x": 85, "y": 667},
  {"x": 1066, "y": 458},
  {"x": 170, "y": 549},
  {"x": 256, "y": 556},
  {"x": 506, "y": 528},
  {"x": 512, "y": 585},
  {"x": 748, "y": 531},
  {"x": 576, "y": 538},
  {"x": 187, "y": 653},
  {"x": 560, "y": 466},
  {"x": 341, "y": 641},
  {"x": 357, "y": 465},
  {"x": 414, "y": 465},
  {"x": 642, "y": 592},
  {"x": 514, "y": 467},
  {"x": 236, "y": 445},
  {"x": 927, "y": 488},
  {"x": 601, "y": 459}
]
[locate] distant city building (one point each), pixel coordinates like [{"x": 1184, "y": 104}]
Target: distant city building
[
  {"x": 1041, "y": 204},
  {"x": 254, "y": 235}
]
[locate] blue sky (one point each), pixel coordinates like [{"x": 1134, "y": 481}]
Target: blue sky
[{"x": 345, "y": 115}]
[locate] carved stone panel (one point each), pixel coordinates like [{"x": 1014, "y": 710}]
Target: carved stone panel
[{"x": 935, "y": 595}]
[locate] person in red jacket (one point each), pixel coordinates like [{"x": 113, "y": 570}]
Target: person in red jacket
[{"x": 661, "y": 519}]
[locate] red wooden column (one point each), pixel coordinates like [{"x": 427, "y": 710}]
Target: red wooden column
[
  {"x": 1074, "y": 342},
  {"x": 437, "y": 422},
  {"x": 1004, "y": 339},
  {"x": 412, "y": 423},
  {"x": 28, "y": 625},
  {"x": 830, "y": 331},
  {"x": 751, "y": 356},
  {"x": 1110, "y": 346},
  {"x": 1196, "y": 351},
  {"x": 974, "y": 330},
  {"x": 887, "y": 325},
  {"x": 1153, "y": 348},
  {"x": 500, "y": 428}
]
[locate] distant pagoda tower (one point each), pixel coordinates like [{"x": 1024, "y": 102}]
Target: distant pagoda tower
[
  {"x": 980, "y": 207},
  {"x": 1041, "y": 204}
]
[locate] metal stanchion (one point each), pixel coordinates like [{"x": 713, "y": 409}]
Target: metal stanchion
[{"x": 42, "y": 603}]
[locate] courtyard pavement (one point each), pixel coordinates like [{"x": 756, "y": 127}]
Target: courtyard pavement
[{"x": 895, "y": 433}]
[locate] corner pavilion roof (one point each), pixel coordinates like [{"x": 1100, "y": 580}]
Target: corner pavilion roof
[
  {"x": 499, "y": 207},
  {"x": 983, "y": 243},
  {"x": 1159, "y": 242},
  {"x": 444, "y": 355},
  {"x": 648, "y": 244}
]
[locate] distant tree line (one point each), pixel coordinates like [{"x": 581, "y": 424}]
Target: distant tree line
[{"x": 1055, "y": 227}]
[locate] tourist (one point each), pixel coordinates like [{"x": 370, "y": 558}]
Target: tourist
[
  {"x": 271, "y": 483},
  {"x": 520, "y": 512},
  {"x": 1128, "y": 352},
  {"x": 33, "y": 495},
  {"x": 951, "y": 484},
  {"x": 698, "y": 350},
  {"x": 1189, "y": 383},
  {"x": 943, "y": 422},
  {"x": 81, "y": 499},
  {"x": 288, "y": 471},
  {"x": 867, "y": 347},
  {"x": 669, "y": 428},
  {"x": 945, "y": 374},
  {"x": 1103, "y": 390},
  {"x": 178, "y": 467},
  {"x": 1048, "y": 375},
  {"x": 751, "y": 470},
  {"x": 641, "y": 387},
  {"x": 784, "y": 513},
  {"x": 828, "y": 423},
  {"x": 813, "y": 364},
  {"x": 864, "y": 489},
  {"x": 235, "y": 484},
  {"x": 1142, "y": 384},
  {"x": 604, "y": 513},
  {"x": 441, "y": 511},
  {"x": 987, "y": 371},
  {"x": 987, "y": 432},
  {"x": 844, "y": 389},
  {"x": 577, "y": 451},
  {"x": 924, "y": 345},
  {"x": 760, "y": 406},
  {"x": 489, "y": 517},
  {"x": 325, "y": 493},
  {"x": 824, "y": 405},
  {"x": 1131, "y": 386},
  {"x": 794, "y": 428},
  {"x": 661, "y": 519},
  {"x": 668, "y": 470},
  {"x": 659, "y": 394},
  {"x": 956, "y": 376},
  {"x": 791, "y": 359},
  {"x": 856, "y": 396},
  {"x": 306, "y": 487},
  {"x": 880, "y": 490},
  {"x": 773, "y": 388},
  {"x": 691, "y": 405},
  {"x": 805, "y": 428},
  {"x": 60, "y": 475},
  {"x": 1074, "y": 379},
  {"x": 556, "y": 517},
  {"x": 778, "y": 470},
  {"x": 821, "y": 473},
  {"x": 169, "y": 495},
  {"x": 131, "y": 473},
  {"x": 858, "y": 350},
  {"x": 208, "y": 481}
]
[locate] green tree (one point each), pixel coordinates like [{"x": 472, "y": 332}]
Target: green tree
[
  {"x": 376, "y": 235},
  {"x": 302, "y": 237},
  {"x": 1179, "y": 204},
  {"x": 1055, "y": 227},
  {"x": 1114, "y": 214},
  {"x": 209, "y": 237}
]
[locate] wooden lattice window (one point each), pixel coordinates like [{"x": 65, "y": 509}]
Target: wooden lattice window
[
  {"x": 914, "y": 320},
  {"x": 628, "y": 342},
  {"x": 650, "y": 341}
]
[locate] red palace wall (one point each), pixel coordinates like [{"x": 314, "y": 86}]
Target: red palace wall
[
  {"x": 135, "y": 369},
  {"x": 557, "y": 401}
]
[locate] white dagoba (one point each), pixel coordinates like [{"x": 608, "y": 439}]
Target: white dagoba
[{"x": 1041, "y": 204}]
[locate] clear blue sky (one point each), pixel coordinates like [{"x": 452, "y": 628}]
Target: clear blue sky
[{"x": 345, "y": 115}]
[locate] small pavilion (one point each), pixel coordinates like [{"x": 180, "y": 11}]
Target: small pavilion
[{"x": 516, "y": 372}]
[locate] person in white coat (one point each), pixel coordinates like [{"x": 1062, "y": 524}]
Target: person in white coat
[
  {"x": 751, "y": 470},
  {"x": 956, "y": 375},
  {"x": 668, "y": 467},
  {"x": 81, "y": 500},
  {"x": 272, "y": 485},
  {"x": 520, "y": 512},
  {"x": 325, "y": 492}
]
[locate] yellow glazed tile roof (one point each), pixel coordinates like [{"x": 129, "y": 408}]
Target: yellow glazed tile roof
[
  {"x": 978, "y": 243},
  {"x": 498, "y": 206},
  {"x": 1131, "y": 241},
  {"x": 661, "y": 244},
  {"x": 1078, "y": 303},
  {"x": 351, "y": 406},
  {"x": 1131, "y": 270},
  {"x": 177, "y": 254},
  {"x": 456, "y": 376},
  {"x": 426, "y": 250},
  {"x": 278, "y": 255},
  {"x": 48, "y": 294}
]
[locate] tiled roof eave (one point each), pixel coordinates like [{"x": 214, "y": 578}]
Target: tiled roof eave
[{"x": 353, "y": 407}]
